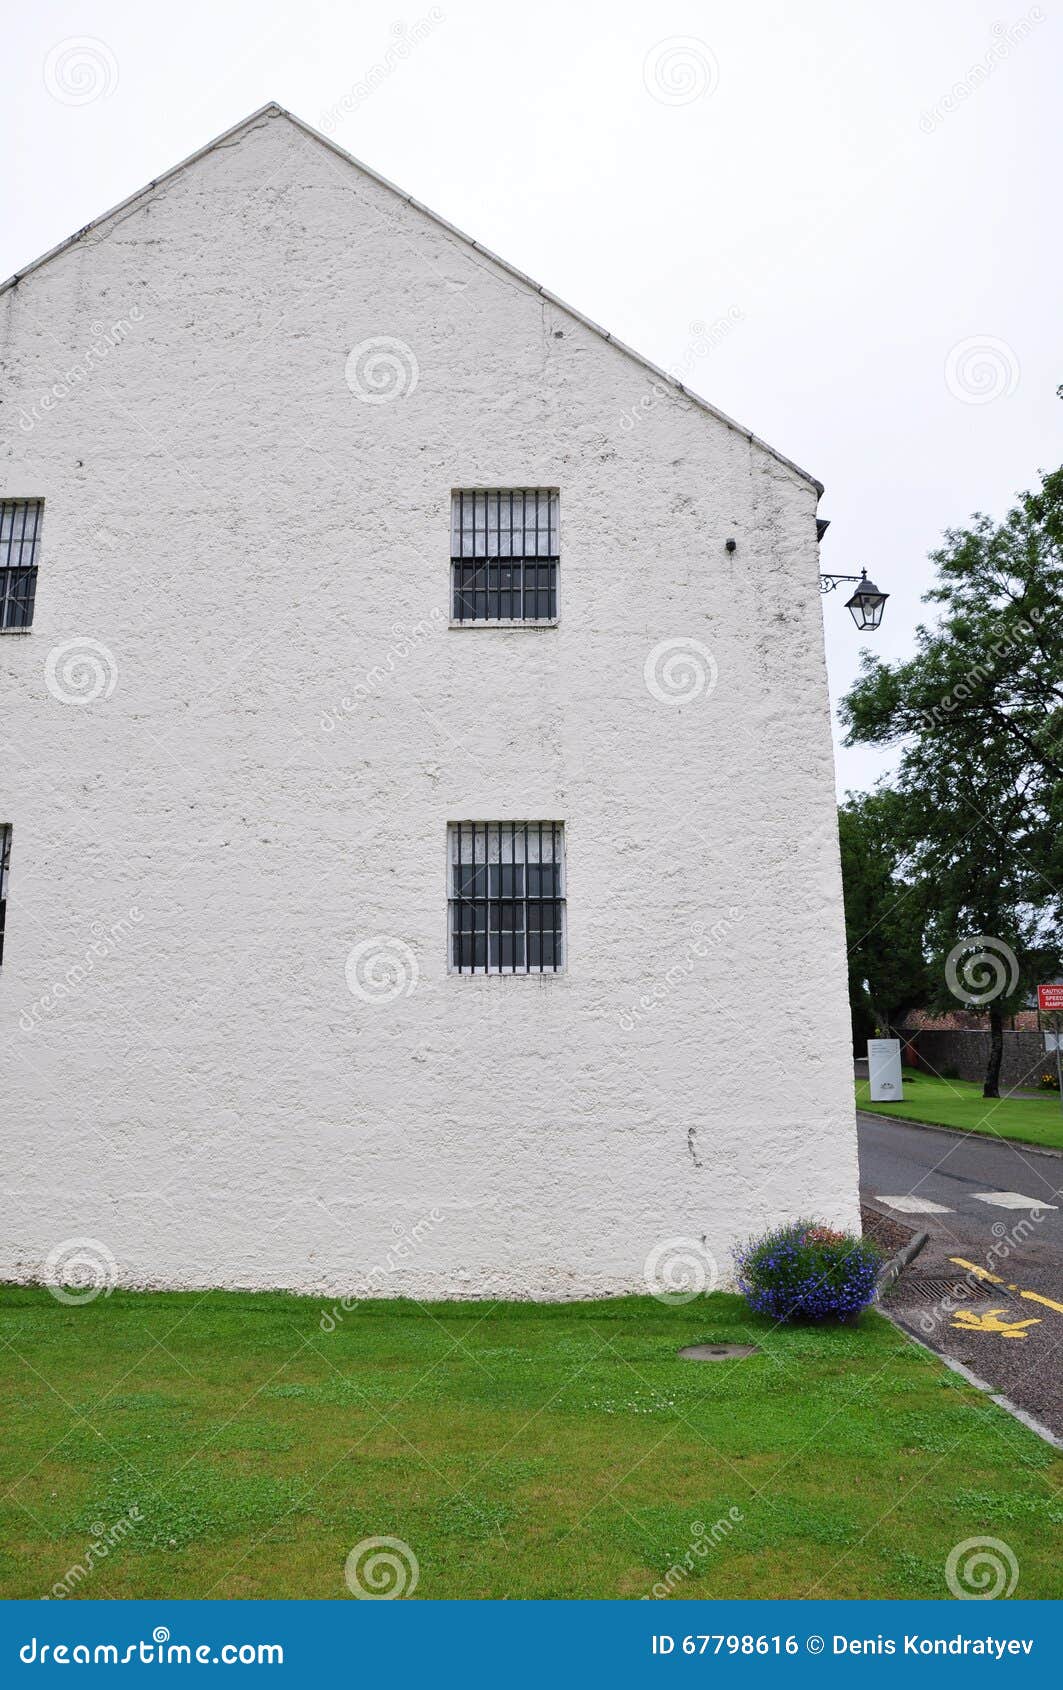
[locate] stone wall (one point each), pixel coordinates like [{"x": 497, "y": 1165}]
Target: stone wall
[{"x": 965, "y": 1055}]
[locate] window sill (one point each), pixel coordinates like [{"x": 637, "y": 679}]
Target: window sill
[
  {"x": 16, "y": 630},
  {"x": 520, "y": 974},
  {"x": 532, "y": 623}
]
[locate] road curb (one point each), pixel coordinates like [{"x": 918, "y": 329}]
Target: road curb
[
  {"x": 1020, "y": 1414},
  {"x": 893, "y": 1269},
  {"x": 963, "y": 1137}
]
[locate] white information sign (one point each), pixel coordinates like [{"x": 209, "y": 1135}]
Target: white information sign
[{"x": 884, "y": 1070}]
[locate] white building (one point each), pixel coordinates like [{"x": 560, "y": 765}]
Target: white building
[{"x": 356, "y": 549}]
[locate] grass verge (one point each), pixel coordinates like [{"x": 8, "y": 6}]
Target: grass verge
[
  {"x": 520, "y": 1450},
  {"x": 960, "y": 1104}
]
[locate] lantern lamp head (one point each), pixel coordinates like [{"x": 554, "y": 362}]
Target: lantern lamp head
[{"x": 867, "y": 603}]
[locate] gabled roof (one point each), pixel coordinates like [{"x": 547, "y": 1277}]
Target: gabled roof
[{"x": 273, "y": 109}]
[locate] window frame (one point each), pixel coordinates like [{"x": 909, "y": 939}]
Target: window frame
[
  {"x": 548, "y": 833},
  {"x": 551, "y": 559},
  {"x": 10, "y": 572}
]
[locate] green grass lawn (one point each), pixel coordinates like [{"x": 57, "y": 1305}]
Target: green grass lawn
[
  {"x": 520, "y": 1450},
  {"x": 959, "y": 1103}
]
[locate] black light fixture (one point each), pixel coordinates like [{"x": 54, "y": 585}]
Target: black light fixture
[{"x": 867, "y": 603}]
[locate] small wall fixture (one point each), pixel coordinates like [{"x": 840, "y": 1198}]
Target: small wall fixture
[
  {"x": 731, "y": 545},
  {"x": 867, "y": 603}
]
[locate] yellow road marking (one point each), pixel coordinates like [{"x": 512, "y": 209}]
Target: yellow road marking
[
  {"x": 965, "y": 1321},
  {"x": 981, "y": 1273},
  {"x": 1035, "y": 1297},
  {"x": 994, "y": 1279}
]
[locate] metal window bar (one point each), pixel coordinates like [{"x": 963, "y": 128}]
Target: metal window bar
[
  {"x": 20, "y": 527},
  {"x": 5, "y": 863},
  {"x": 504, "y": 555},
  {"x": 506, "y": 897}
]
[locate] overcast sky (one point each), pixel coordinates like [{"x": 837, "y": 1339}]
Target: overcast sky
[{"x": 868, "y": 195}]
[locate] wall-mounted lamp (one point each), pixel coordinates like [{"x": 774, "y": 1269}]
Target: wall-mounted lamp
[{"x": 867, "y": 603}]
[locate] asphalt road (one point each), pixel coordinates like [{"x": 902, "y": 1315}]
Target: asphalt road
[{"x": 987, "y": 1289}]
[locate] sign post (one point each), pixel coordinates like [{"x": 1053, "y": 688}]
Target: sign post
[
  {"x": 1050, "y": 1002},
  {"x": 884, "y": 1070}
]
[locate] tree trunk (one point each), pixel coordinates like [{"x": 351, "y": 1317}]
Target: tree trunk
[{"x": 996, "y": 1051}]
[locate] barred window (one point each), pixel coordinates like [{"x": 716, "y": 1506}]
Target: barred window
[
  {"x": 504, "y": 556},
  {"x": 507, "y": 897},
  {"x": 20, "y": 527},
  {"x": 5, "y": 863}
]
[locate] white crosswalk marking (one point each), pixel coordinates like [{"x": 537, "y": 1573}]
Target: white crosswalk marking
[
  {"x": 914, "y": 1205},
  {"x": 1012, "y": 1200}
]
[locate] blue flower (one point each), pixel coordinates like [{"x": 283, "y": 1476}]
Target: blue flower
[{"x": 806, "y": 1271}]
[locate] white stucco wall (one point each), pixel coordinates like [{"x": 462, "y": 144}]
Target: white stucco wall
[{"x": 205, "y": 842}]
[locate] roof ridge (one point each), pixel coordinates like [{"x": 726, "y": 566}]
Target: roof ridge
[{"x": 273, "y": 107}]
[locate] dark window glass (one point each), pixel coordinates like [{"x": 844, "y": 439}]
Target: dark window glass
[
  {"x": 506, "y": 894},
  {"x": 20, "y": 528},
  {"x": 504, "y": 556}
]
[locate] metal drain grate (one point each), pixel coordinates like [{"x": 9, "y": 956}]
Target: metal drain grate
[{"x": 935, "y": 1288}]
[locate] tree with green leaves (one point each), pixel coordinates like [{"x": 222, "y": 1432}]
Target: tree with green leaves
[
  {"x": 978, "y": 715},
  {"x": 884, "y": 916}
]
